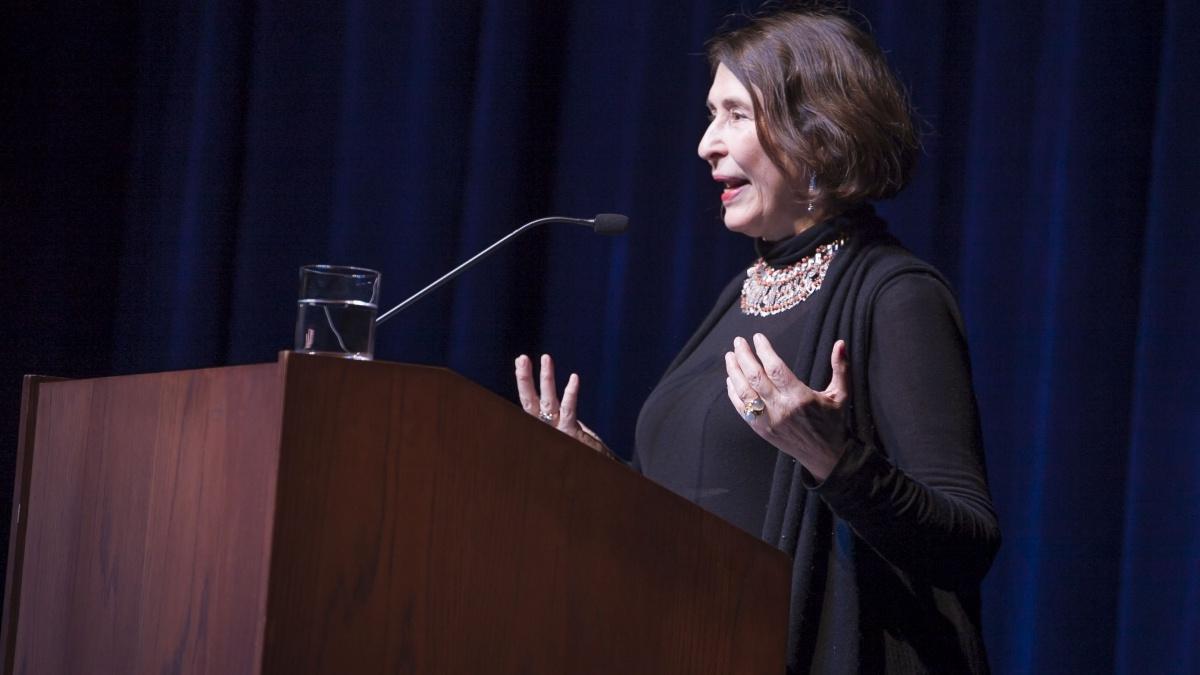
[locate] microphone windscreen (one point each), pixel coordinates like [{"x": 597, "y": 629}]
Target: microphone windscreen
[{"x": 610, "y": 223}]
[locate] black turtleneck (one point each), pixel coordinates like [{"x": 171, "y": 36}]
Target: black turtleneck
[
  {"x": 690, "y": 439},
  {"x": 889, "y": 550}
]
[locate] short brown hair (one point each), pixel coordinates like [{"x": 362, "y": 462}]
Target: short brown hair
[{"x": 825, "y": 102}]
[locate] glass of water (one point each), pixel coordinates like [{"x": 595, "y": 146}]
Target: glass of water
[{"x": 336, "y": 311}]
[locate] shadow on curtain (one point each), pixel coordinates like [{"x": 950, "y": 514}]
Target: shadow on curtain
[{"x": 167, "y": 168}]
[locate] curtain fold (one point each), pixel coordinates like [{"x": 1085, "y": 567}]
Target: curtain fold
[
  {"x": 1158, "y": 617},
  {"x": 167, "y": 167}
]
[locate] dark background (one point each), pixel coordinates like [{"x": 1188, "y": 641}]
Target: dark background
[{"x": 167, "y": 167}]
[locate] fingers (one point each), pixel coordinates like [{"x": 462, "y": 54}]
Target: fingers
[
  {"x": 764, "y": 372},
  {"x": 752, "y": 370},
  {"x": 549, "y": 398},
  {"x": 838, "y": 389},
  {"x": 739, "y": 387},
  {"x": 567, "y": 408},
  {"x": 562, "y": 415},
  {"x": 525, "y": 389},
  {"x": 737, "y": 397},
  {"x": 761, "y": 373},
  {"x": 775, "y": 368},
  {"x": 545, "y": 404}
]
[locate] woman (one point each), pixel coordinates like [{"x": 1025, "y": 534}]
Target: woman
[{"x": 825, "y": 403}]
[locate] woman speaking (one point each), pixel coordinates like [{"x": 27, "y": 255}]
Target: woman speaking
[{"x": 825, "y": 403}]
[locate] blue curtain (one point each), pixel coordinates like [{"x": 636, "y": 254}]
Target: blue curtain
[{"x": 168, "y": 167}]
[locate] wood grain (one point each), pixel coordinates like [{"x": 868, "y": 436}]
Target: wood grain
[
  {"x": 20, "y": 516},
  {"x": 425, "y": 525},
  {"x": 147, "y": 536},
  {"x": 321, "y": 515}
]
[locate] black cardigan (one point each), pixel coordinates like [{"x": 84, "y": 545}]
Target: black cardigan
[{"x": 890, "y": 549}]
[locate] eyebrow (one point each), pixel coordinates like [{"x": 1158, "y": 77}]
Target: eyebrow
[{"x": 728, "y": 102}]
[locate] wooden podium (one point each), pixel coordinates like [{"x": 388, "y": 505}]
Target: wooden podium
[{"x": 320, "y": 515}]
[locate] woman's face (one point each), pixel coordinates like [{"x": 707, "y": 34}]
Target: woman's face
[{"x": 759, "y": 200}]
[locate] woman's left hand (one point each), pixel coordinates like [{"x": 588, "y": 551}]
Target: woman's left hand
[{"x": 806, "y": 424}]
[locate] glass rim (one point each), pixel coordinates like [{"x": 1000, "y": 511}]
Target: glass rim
[{"x": 344, "y": 270}]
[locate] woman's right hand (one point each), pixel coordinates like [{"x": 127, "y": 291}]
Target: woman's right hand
[{"x": 546, "y": 405}]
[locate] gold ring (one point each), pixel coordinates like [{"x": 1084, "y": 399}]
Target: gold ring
[{"x": 752, "y": 409}]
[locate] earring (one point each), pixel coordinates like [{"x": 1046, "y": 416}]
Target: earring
[{"x": 812, "y": 191}]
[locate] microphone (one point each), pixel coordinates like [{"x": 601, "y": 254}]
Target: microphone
[
  {"x": 609, "y": 223},
  {"x": 603, "y": 223}
]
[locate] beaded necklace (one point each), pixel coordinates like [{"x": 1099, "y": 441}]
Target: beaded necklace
[{"x": 768, "y": 290}]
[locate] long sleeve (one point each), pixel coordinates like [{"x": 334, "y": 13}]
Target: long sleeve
[{"x": 916, "y": 492}]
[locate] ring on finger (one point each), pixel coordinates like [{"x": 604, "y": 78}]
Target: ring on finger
[
  {"x": 547, "y": 417},
  {"x": 752, "y": 409}
]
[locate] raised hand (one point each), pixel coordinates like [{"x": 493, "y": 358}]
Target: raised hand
[
  {"x": 546, "y": 406},
  {"x": 806, "y": 424}
]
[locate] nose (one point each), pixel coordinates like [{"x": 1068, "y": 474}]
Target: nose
[{"x": 711, "y": 146}]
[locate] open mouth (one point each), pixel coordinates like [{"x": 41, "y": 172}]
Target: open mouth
[{"x": 733, "y": 188}]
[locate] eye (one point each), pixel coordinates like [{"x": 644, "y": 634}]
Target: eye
[{"x": 738, "y": 115}]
